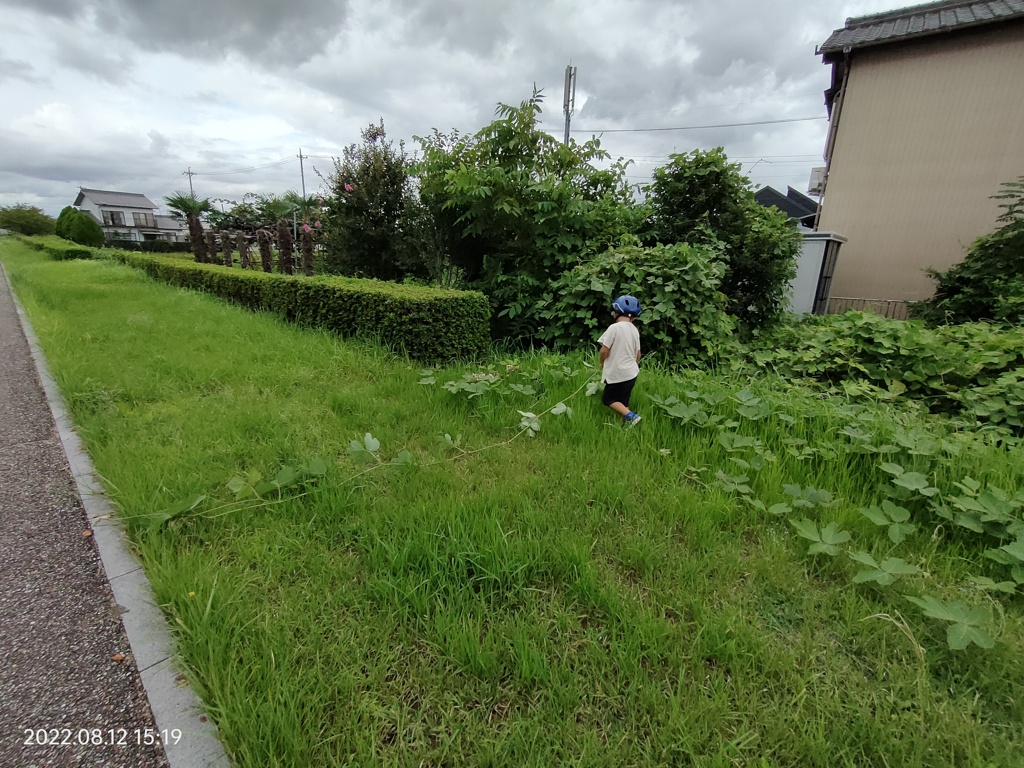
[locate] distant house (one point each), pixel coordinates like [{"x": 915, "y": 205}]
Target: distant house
[
  {"x": 129, "y": 216},
  {"x": 926, "y": 121},
  {"x": 794, "y": 204}
]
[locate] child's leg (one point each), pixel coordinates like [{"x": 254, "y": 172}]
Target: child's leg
[
  {"x": 616, "y": 396},
  {"x": 619, "y": 408}
]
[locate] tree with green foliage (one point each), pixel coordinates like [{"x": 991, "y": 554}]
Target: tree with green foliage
[
  {"x": 364, "y": 228},
  {"x": 519, "y": 208},
  {"x": 85, "y": 230},
  {"x": 79, "y": 227},
  {"x": 989, "y": 283},
  {"x": 191, "y": 208},
  {"x": 702, "y": 198},
  {"x": 26, "y": 219}
]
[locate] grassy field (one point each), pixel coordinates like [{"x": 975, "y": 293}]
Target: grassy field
[{"x": 590, "y": 596}]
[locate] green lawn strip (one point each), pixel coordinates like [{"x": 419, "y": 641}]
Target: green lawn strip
[{"x": 590, "y": 596}]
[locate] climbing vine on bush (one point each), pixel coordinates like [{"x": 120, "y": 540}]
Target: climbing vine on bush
[
  {"x": 989, "y": 283},
  {"x": 683, "y": 314}
]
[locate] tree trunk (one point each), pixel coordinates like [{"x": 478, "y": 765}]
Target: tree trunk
[
  {"x": 242, "y": 243},
  {"x": 227, "y": 248},
  {"x": 266, "y": 255},
  {"x": 286, "y": 246},
  {"x": 307, "y": 252},
  {"x": 211, "y": 247},
  {"x": 195, "y": 234}
]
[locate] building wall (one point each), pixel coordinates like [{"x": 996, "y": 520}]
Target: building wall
[{"x": 928, "y": 131}]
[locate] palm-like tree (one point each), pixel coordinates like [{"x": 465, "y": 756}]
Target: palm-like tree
[{"x": 192, "y": 208}]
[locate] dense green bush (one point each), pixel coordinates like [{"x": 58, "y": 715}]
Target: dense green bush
[
  {"x": 150, "y": 246},
  {"x": 430, "y": 324},
  {"x": 700, "y": 197},
  {"x": 677, "y": 285},
  {"x": 57, "y": 247},
  {"x": 974, "y": 368},
  {"x": 989, "y": 283},
  {"x": 79, "y": 227},
  {"x": 26, "y": 220}
]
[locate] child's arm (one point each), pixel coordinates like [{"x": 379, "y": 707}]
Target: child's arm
[
  {"x": 605, "y": 351},
  {"x": 638, "y": 357}
]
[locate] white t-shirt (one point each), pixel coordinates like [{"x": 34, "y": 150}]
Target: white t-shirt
[{"x": 623, "y": 342}]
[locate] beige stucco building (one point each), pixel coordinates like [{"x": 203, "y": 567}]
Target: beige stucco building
[{"x": 926, "y": 121}]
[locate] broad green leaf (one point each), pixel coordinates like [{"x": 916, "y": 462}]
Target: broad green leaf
[
  {"x": 984, "y": 582},
  {"x": 912, "y": 481},
  {"x": 317, "y": 468},
  {"x": 831, "y": 534},
  {"x": 898, "y": 567},
  {"x": 779, "y": 509},
  {"x": 808, "y": 529},
  {"x": 372, "y": 444},
  {"x": 959, "y": 636},
  {"x": 892, "y": 469},
  {"x": 875, "y": 515},
  {"x": 899, "y": 531},
  {"x": 404, "y": 457},
  {"x": 1015, "y": 550},
  {"x": 864, "y": 558},
  {"x": 286, "y": 477},
  {"x": 894, "y": 512}
]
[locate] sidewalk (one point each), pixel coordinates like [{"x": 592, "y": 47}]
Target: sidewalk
[{"x": 68, "y": 677}]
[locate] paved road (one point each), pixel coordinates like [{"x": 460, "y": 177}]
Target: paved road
[{"x": 62, "y": 675}]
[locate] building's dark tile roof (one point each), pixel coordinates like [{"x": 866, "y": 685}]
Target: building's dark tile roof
[
  {"x": 794, "y": 204},
  {"x": 104, "y": 197},
  {"x": 918, "y": 21}
]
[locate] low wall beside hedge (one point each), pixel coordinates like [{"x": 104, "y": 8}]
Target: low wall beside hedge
[{"x": 430, "y": 324}]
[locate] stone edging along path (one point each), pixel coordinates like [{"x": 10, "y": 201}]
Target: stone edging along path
[{"x": 174, "y": 705}]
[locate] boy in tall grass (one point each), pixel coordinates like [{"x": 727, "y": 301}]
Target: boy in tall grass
[{"x": 620, "y": 358}]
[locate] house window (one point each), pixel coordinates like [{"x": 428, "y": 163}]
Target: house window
[
  {"x": 144, "y": 220},
  {"x": 113, "y": 218}
]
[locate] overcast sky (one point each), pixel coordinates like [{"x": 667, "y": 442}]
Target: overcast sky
[{"x": 126, "y": 95}]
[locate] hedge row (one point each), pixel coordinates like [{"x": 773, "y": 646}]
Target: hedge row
[
  {"x": 430, "y": 324},
  {"x": 150, "y": 246},
  {"x": 58, "y": 248}
]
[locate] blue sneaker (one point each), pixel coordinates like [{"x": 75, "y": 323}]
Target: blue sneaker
[{"x": 632, "y": 421}]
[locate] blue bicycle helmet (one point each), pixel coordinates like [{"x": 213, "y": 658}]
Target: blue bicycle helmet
[{"x": 627, "y": 305}]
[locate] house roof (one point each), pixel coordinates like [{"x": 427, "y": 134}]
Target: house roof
[
  {"x": 919, "y": 21},
  {"x": 169, "y": 222},
  {"x": 103, "y": 197},
  {"x": 794, "y": 204}
]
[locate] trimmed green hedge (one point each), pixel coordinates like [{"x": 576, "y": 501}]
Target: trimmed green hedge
[
  {"x": 57, "y": 247},
  {"x": 430, "y": 324}
]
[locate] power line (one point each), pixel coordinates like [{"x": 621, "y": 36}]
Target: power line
[
  {"x": 696, "y": 127},
  {"x": 271, "y": 164}
]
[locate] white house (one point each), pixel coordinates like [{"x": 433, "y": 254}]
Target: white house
[{"x": 129, "y": 216}]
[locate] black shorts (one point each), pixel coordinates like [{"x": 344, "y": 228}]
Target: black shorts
[{"x": 618, "y": 392}]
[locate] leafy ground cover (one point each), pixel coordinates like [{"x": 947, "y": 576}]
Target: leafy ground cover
[{"x": 369, "y": 563}]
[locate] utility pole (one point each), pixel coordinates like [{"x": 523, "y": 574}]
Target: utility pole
[
  {"x": 569, "y": 98},
  {"x": 302, "y": 173},
  {"x": 190, "y": 174}
]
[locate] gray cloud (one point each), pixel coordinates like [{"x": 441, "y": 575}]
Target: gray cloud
[
  {"x": 11, "y": 69},
  {"x": 87, "y": 60},
  {"x": 264, "y": 31}
]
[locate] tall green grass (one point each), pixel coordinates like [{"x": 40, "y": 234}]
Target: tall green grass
[{"x": 591, "y": 596}]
